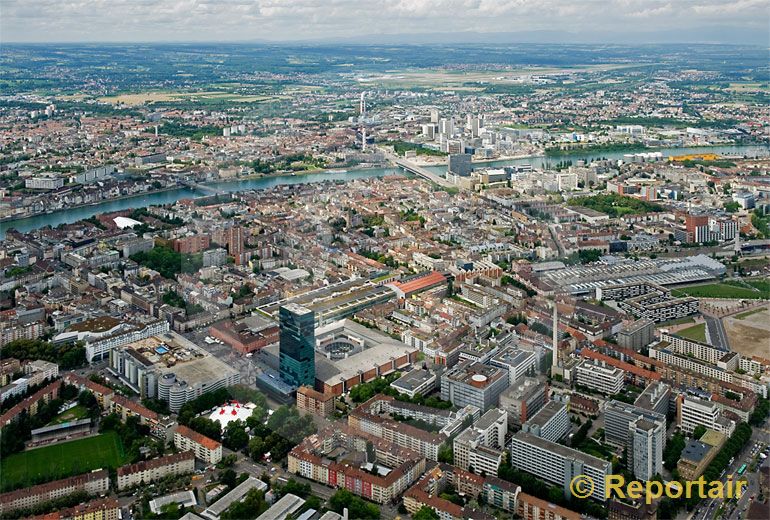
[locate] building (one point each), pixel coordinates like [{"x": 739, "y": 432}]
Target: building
[
  {"x": 517, "y": 362},
  {"x": 31, "y": 404},
  {"x": 146, "y": 471},
  {"x": 99, "y": 509},
  {"x": 656, "y": 397},
  {"x": 693, "y": 412},
  {"x": 558, "y": 464},
  {"x": 347, "y": 354},
  {"x": 247, "y": 335},
  {"x": 44, "y": 183},
  {"x": 636, "y": 510},
  {"x": 286, "y": 506},
  {"x": 100, "y": 342},
  {"x": 501, "y": 493},
  {"x": 460, "y": 164},
  {"x": 171, "y": 368},
  {"x": 214, "y": 257},
  {"x": 381, "y": 480},
  {"x": 698, "y": 454},
  {"x": 366, "y": 419},
  {"x": 641, "y": 433},
  {"x": 476, "y": 384},
  {"x": 181, "y": 498},
  {"x": 551, "y": 422},
  {"x": 191, "y": 244},
  {"x": 297, "y": 345},
  {"x": 214, "y": 511},
  {"x": 479, "y": 448},
  {"x": 523, "y": 400},
  {"x": 205, "y": 449},
  {"x": 597, "y": 375},
  {"x": 415, "y": 382},
  {"x": 533, "y": 508},
  {"x": 314, "y": 402},
  {"x": 637, "y": 335},
  {"x": 427, "y": 493},
  {"x": 93, "y": 483}
]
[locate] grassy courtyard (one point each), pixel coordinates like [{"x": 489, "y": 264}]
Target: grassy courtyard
[
  {"x": 61, "y": 460},
  {"x": 695, "y": 333}
]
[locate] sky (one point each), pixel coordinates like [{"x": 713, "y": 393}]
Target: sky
[{"x": 613, "y": 21}]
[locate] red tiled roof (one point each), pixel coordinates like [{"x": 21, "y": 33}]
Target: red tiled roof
[{"x": 199, "y": 438}]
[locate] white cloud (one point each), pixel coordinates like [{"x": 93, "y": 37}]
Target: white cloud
[{"x": 162, "y": 20}]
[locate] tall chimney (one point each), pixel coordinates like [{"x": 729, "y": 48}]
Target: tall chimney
[{"x": 555, "y": 339}]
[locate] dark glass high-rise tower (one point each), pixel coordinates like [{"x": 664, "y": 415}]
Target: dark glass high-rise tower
[{"x": 297, "y": 345}]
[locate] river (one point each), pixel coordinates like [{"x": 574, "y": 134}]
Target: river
[{"x": 69, "y": 216}]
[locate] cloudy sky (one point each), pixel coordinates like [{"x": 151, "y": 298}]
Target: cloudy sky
[{"x": 735, "y": 21}]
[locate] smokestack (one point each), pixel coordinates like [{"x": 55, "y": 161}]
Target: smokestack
[{"x": 555, "y": 339}]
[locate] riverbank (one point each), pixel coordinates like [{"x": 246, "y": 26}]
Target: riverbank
[{"x": 13, "y": 218}]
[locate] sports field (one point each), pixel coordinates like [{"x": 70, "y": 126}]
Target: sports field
[
  {"x": 61, "y": 460},
  {"x": 752, "y": 290}
]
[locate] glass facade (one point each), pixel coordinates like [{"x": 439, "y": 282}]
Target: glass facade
[{"x": 297, "y": 345}]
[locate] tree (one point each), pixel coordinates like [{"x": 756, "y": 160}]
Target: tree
[
  {"x": 357, "y": 507},
  {"x": 698, "y": 432},
  {"x": 235, "y": 437},
  {"x": 425, "y": 513}
]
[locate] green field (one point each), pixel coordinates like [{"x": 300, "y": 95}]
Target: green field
[
  {"x": 721, "y": 290},
  {"x": 695, "y": 333},
  {"x": 61, "y": 460},
  {"x": 73, "y": 414}
]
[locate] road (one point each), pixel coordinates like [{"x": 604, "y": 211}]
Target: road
[
  {"x": 716, "y": 332},
  {"x": 734, "y": 510}
]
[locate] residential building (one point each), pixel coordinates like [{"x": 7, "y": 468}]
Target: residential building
[
  {"x": 314, "y": 402},
  {"x": 205, "y": 449},
  {"x": 558, "y": 464},
  {"x": 147, "y": 471},
  {"x": 93, "y": 483},
  {"x": 599, "y": 376},
  {"x": 480, "y": 447}
]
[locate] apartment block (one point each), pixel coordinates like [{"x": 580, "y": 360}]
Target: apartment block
[
  {"x": 558, "y": 464},
  {"x": 480, "y": 447},
  {"x": 600, "y": 376},
  {"x": 205, "y": 449},
  {"x": 147, "y": 471}
]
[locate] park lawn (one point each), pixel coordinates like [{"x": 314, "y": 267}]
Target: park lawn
[
  {"x": 61, "y": 460},
  {"x": 73, "y": 414},
  {"x": 695, "y": 333},
  {"x": 718, "y": 290}
]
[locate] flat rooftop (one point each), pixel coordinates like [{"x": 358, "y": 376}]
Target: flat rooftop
[
  {"x": 412, "y": 380},
  {"x": 563, "y": 451},
  {"x": 546, "y": 413}
]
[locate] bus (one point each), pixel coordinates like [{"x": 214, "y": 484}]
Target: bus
[{"x": 742, "y": 469}]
